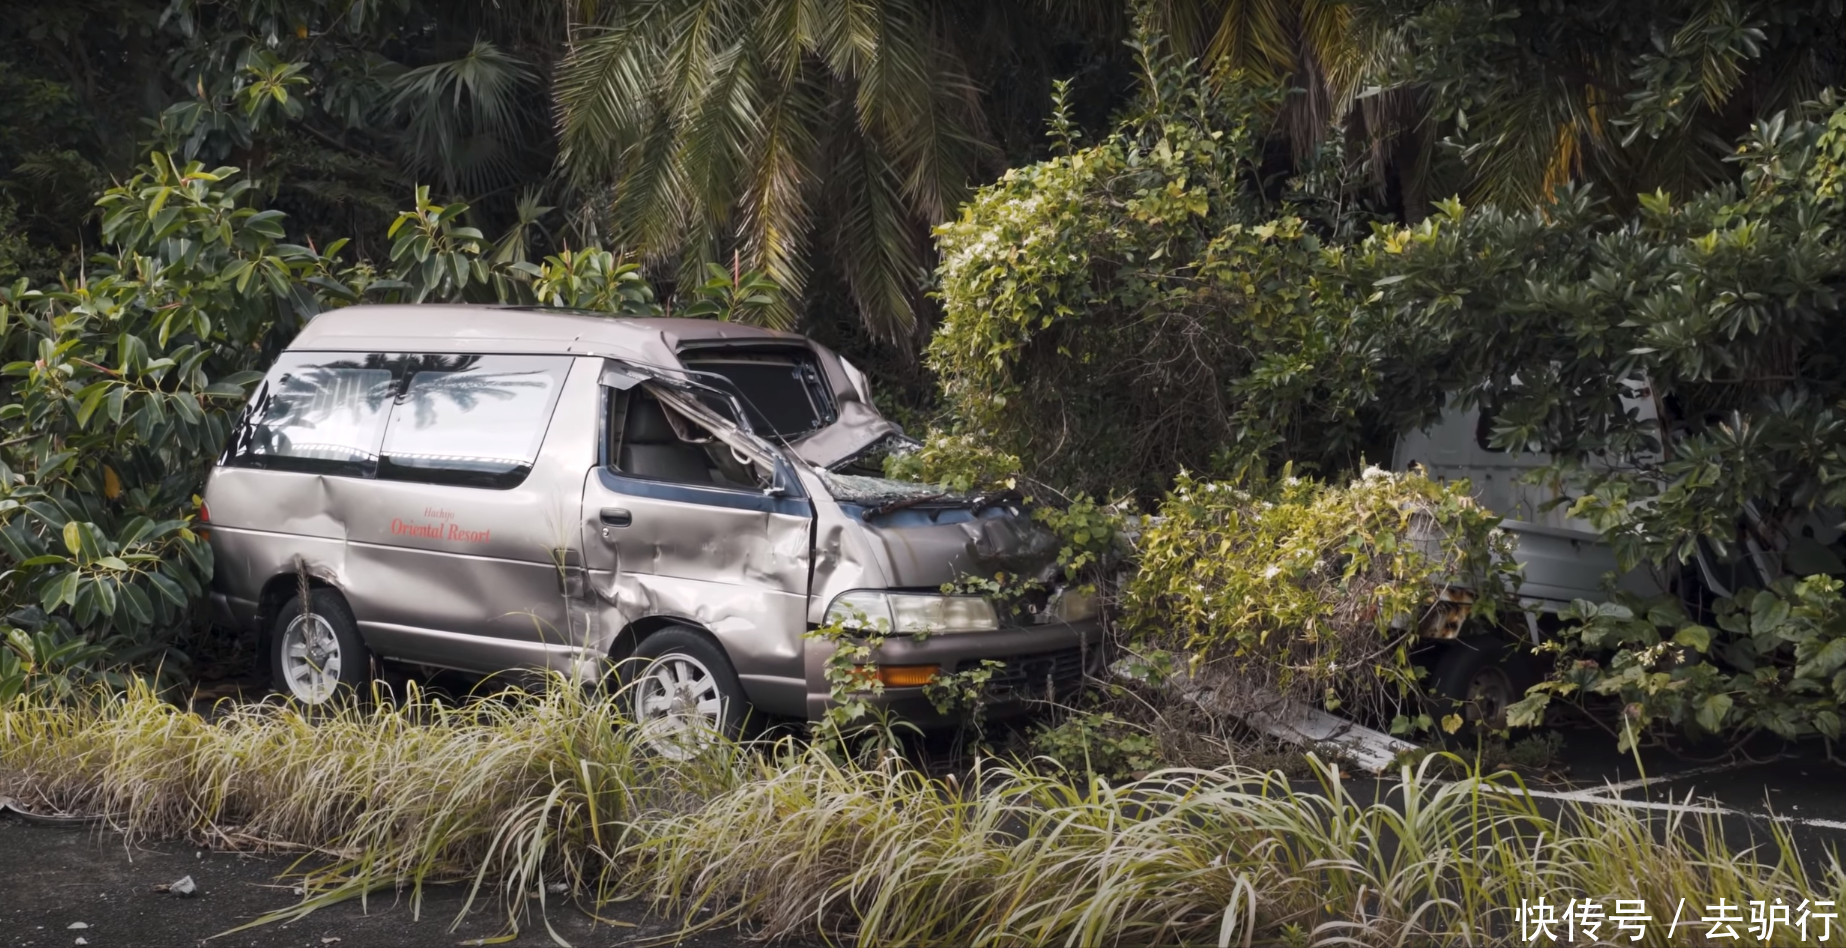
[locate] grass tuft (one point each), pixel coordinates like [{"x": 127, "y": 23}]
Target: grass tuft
[{"x": 514, "y": 795}]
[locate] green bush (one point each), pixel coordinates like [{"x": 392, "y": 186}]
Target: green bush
[
  {"x": 1098, "y": 743},
  {"x": 1313, "y": 590},
  {"x": 1722, "y": 310},
  {"x": 1775, "y": 662},
  {"x": 1124, "y": 311},
  {"x": 118, "y": 390}
]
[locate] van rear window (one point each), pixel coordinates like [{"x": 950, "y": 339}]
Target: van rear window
[
  {"x": 316, "y": 413},
  {"x": 473, "y": 420}
]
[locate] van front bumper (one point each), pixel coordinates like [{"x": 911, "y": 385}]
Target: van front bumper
[{"x": 1038, "y": 663}]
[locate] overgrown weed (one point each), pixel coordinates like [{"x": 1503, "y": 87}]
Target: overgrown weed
[{"x": 524, "y": 792}]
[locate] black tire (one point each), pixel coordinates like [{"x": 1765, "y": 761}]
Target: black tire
[
  {"x": 1478, "y": 676},
  {"x": 302, "y": 644},
  {"x": 701, "y": 669}
]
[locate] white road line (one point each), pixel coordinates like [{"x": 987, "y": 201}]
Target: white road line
[
  {"x": 1617, "y": 788},
  {"x": 1585, "y": 796}
]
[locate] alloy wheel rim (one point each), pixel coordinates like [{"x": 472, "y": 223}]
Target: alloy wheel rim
[
  {"x": 678, "y": 705},
  {"x": 311, "y": 659}
]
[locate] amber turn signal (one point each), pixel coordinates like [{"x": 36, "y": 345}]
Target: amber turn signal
[{"x": 907, "y": 676}]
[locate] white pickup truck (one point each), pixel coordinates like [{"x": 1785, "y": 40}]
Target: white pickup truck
[{"x": 1562, "y": 558}]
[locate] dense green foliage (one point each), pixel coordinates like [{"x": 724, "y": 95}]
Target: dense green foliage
[
  {"x": 1310, "y": 590},
  {"x": 1769, "y": 661},
  {"x": 1133, "y": 308},
  {"x": 116, "y": 401},
  {"x": 334, "y": 109},
  {"x": 1632, "y": 96},
  {"x": 1726, "y": 306}
]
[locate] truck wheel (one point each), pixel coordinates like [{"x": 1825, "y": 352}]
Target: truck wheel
[
  {"x": 316, "y": 655},
  {"x": 683, "y": 693},
  {"x": 1479, "y": 678}
]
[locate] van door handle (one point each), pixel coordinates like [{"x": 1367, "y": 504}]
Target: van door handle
[{"x": 617, "y": 517}]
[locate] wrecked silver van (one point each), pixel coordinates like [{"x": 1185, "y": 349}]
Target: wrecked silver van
[{"x": 493, "y": 488}]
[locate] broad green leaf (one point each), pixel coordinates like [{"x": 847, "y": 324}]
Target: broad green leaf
[
  {"x": 1694, "y": 636},
  {"x": 90, "y": 403},
  {"x": 168, "y": 589},
  {"x": 1712, "y": 712},
  {"x": 136, "y": 603}
]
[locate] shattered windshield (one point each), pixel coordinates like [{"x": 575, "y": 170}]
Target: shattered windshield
[
  {"x": 878, "y": 491},
  {"x": 860, "y": 479}
]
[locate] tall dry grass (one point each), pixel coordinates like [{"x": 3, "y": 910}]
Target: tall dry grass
[{"x": 515, "y": 795}]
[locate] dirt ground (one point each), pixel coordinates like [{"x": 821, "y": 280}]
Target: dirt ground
[{"x": 52, "y": 878}]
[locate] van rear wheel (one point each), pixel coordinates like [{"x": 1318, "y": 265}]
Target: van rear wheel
[
  {"x": 683, "y": 693},
  {"x": 316, "y": 654}
]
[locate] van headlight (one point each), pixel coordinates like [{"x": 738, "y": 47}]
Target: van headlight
[{"x": 900, "y": 613}]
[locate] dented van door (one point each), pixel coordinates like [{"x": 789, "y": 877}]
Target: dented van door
[{"x": 688, "y": 518}]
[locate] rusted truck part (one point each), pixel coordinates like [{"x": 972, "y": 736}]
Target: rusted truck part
[{"x": 493, "y": 488}]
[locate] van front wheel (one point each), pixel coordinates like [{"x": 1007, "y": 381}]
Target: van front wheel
[
  {"x": 683, "y": 692},
  {"x": 316, "y": 653}
]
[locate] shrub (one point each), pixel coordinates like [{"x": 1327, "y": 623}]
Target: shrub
[
  {"x": 1721, "y": 311},
  {"x": 1313, "y": 590},
  {"x": 118, "y": 388},
  {"x": 1099, "y": 743},
  {"x": 1127, "y": 310},
  {"x": 1775, "y": 662}
]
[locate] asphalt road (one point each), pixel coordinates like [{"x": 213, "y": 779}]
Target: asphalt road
[{"x": 52, "y": 878}]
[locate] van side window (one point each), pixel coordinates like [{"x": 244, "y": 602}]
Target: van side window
[
  {"x": 473, "y": 420},
  {"x": 318, "y": 413},
  {"x": 654, "y": 441}
]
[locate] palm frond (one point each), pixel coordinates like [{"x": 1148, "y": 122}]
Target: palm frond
[
  {"x": 923, "y": 110},
  {"x": 1256, "y": 36},
  {"x": 606, "y": 98},
  {"x": 703, "y": 119},
  {"x": 775, "y": 225},
  {"x": 876, "y": 239},
  {"x": 462, "y": 124}
]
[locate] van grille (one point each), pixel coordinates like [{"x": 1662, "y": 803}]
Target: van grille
[{"x": 1058, "y": 673}]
